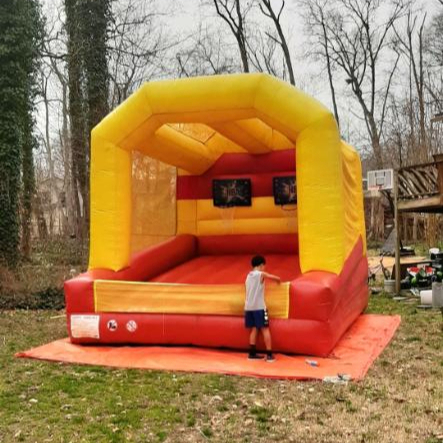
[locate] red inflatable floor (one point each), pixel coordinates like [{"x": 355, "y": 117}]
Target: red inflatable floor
[
  {"x": 228, "y": 269},
  {"x": 353, "y": 355}
]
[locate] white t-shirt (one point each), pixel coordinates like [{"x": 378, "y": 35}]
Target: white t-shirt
[{"x": 255, "y": 291}]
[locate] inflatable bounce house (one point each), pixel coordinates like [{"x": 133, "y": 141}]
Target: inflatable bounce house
[{"x": 260, "y": 169}]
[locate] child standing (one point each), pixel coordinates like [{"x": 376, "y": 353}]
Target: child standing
[{"x": 256, "y": 315}]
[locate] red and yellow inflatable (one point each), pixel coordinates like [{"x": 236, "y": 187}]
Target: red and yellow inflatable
[{"x": 189, "y": 289}]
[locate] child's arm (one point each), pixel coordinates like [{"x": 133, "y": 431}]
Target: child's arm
[{"x": 270, "y": 276}]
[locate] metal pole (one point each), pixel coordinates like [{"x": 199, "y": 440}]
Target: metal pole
[{"x": 397, "y": 236}]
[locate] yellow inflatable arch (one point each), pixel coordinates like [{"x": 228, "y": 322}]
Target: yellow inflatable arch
[{"x": 253, "y": 113}]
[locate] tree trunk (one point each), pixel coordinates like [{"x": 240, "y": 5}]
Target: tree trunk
[
  {"x": 432, "y": 231},
  {"x": 236, "y": 26},
  {"x": 40, "y": 218},
  {"x": 405, "y": 222},
  {"x": 28, "y": 184},
  {"x": 329, "y": 69},
  {"x": 283, "y": 43},
  {"x": 48, "y": 144},
  {"x": 375, "y": 141},
  {"x": 67, "y": 206},
  {"x": 19, "y": 39},
  {"x": 77, "y": 107},
  {"x": 243, "y": 55},
  {"x": 86, "y": 25},
  {"x": 95, "y": 19},
  {"x": 414, "y": 228}
]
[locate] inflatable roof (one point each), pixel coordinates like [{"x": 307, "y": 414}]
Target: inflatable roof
[{"x": 246, "y": 126}]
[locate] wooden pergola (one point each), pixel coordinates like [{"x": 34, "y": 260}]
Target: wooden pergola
[{"x": 417, "y": 188}]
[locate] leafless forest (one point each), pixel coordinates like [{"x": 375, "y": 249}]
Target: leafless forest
[{"x": 377, "y": 65}]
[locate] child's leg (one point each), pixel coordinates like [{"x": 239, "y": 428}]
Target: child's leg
[
  {"x": 252, "y": 343},
  {"x": 268, "y": 342},
  {"x": 253, "y": 337},
  {"x": 267, "y": 337}
]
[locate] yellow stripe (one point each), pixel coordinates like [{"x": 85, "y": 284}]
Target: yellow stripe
[
  {"x": 201, "y": 217},
  {"x": 262, "y": 207},
  {"x": 247, "y": 226},
  {"x": 187, "y": 217},
  {"x": 170, "y": 298}
]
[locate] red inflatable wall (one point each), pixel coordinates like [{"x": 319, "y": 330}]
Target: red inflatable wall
[{"x": 322, "y": 305}]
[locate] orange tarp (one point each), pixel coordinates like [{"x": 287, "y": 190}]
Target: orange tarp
[{"x": 353, "y": 355}]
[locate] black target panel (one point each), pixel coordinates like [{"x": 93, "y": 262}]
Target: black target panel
[
  {"x": 285, "y": 190},
  {"x": 231, "y": 192}
]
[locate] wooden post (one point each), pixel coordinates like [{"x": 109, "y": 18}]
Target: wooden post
[
  {"x": 438, "y": 158},
  {"x": 415, "y": 229},
  {"x": 397, "y": 236}
]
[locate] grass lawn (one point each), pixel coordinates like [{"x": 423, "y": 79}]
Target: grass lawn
[{"x": 401, "y": 399}]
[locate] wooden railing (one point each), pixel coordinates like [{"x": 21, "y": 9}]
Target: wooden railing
[
  {"x": 418, "y": 181},
  {"x": 420, "y": 187}
]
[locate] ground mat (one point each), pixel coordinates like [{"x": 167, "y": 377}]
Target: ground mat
[{"x": 353, "y": 355}]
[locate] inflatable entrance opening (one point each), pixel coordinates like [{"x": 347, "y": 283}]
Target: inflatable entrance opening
[{"x": 260, "y": 168}]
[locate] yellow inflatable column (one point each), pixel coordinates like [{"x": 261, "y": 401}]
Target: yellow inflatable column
[
  {"x": 320, "y": 197},
  {"x": 110, "y": 205},
  {"x": 353, "y": 191},
  {"x": 112, "y": 142}
]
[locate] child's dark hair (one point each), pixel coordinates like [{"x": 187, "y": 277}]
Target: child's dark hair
[{"x": 258, "y": 260}]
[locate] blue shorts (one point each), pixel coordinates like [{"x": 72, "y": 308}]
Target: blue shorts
[{"x": 257, "y": 319}]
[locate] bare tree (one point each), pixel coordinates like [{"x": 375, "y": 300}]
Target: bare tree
[
  {"x": 56, "y": 140},
  {"x": 317, "y": 24},
  {"x": 77, "y": 121},
  {"x": 204, "y": 53},
  {"x": 262, "y": 53},
  {"x": 434, "y": 77},
  {"x": 414, "y": 53},
  {"x": 359, "y": 39},
  {"x": 136, "y": 44},
  {"x": 267, "y": 10},
  {"x": 232, "y": 13},
  {"x": 44, "y": 81},
  {"x": 435, "y": 39}
]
